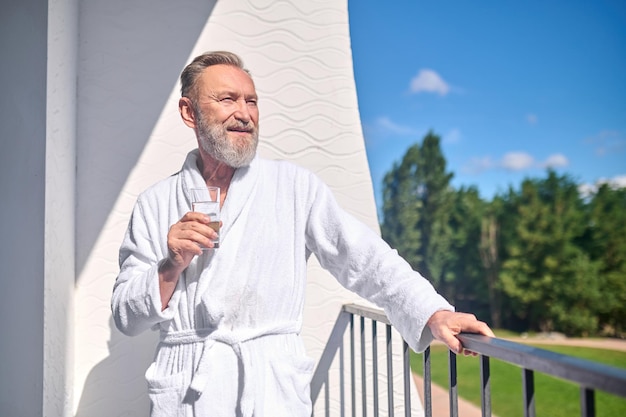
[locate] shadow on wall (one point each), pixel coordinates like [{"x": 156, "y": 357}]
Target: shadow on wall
[
  {"x": 116, "y": 386},
  {"x": 130, "y": 57},
  {"x": 129, "y": 60}
]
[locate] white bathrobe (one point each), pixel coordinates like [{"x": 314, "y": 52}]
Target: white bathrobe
[{"x": 230, "y": 342}]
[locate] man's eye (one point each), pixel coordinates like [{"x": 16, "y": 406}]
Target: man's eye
[
  {"x": 251, "y": 102},
  {"x": 227, "y": 100}
]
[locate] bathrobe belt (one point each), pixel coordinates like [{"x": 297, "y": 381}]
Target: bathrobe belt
[{"x": 236, "y": 339}]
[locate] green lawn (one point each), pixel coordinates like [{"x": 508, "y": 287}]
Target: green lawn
[{"x": 553, "y": 397}]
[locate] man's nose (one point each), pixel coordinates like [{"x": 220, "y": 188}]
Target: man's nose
[{"x": 242, "y": 112}]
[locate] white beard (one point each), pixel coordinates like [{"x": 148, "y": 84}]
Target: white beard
[{"x": 213, "y": 139}]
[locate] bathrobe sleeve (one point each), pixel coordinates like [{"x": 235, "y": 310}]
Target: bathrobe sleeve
[
  {"x": 136, "y": 300},
  {"x": 365, "y": 264}
]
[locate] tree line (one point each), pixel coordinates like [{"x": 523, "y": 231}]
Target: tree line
[{"x": 541, "y": 257}]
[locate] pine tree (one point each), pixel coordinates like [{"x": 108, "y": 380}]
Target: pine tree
[
  {"x": 402, "y": 208},
  {"x": 553, "y": 280},
  {"x": 606, "y": 244},
  {"x": 417, "y": 204}
]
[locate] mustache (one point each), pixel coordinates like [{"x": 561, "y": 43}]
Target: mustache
[{"x": 240, "y": 126}]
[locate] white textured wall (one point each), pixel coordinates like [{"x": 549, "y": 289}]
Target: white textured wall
[{"x": 130, "y": 136}]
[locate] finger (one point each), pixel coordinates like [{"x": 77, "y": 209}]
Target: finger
[
  {"x": 451, "y": 341},
  {"x": 467, "y": 352},
  {"x": 479, "y": 327},
  {"x": 445, "y": 325},
  {"x": 187, "y": 243},
  {"x": 193, "y": 230},
  {"x": 181, "y": 238},
  {"x": 184, "y": 248},
  {"x": 194, "y": 216}
]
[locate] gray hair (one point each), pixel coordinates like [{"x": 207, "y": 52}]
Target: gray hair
[{"x": 190, "y": 74}]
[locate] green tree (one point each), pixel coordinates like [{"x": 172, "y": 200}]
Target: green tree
[
  {"x": 490, "y": 256},
  {"x": 553, "y": 282},
  {"x": 471, "y": 288},
  {"x": 437, "y": 204},
  {"x": 417, "y": 204},
  {"x": 606, "y": 244},
  {"x": 402, "y": 208},
  {"x": 540, "y": 258}
]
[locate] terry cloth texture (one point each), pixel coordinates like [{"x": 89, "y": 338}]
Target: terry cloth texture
[{"x": 230, "y": 341}]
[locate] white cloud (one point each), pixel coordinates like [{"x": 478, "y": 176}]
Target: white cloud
[
  {"x": 453, "y": 136},
  {"x": 556, "y": 161},
  {"x": 429, "y": 81},
  {"x": 514, "y": 161},
  {"x": 380, "y": 130},
  {"x": 478, "y": 165},
  {"x": 586, "y": 190},
  {"x": 607, "y": 142},
  {"x": 385, "y": 124},
  {"x": 517, "y": 161},
  {"x": 619, "y": 181}
]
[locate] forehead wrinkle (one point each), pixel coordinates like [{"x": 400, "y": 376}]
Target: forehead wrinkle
[{"x": 215, "y": 82}]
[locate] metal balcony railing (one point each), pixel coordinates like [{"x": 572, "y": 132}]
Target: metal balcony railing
[{"x": 589, "y": 376}]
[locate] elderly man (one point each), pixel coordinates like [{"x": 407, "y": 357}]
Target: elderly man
[{"x": 230, "y": 318}]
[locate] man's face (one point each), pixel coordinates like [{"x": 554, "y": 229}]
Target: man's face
[{"x": 227, "y": 115}]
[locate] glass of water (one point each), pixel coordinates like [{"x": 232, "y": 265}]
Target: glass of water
[{"x": 207, "y": 200}]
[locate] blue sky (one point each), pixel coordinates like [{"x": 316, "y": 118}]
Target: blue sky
[{"x": 511, "y": 87}]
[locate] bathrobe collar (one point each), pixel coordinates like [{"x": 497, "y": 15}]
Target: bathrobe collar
[{"x": 240, "y": 192}]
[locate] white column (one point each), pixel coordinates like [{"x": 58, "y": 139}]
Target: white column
[{"x": 60, "y": 202}]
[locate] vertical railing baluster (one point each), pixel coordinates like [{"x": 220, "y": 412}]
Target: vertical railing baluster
[
  {"x": 453, "y": 389},
  {"x": 342, "y": 380},
  {"x": 588, "y": 376},
  {"x": 375, "y": 366},
  {"x": 428, "y": 396},
  {"x": 485, "y": 386},
  {"x": 389, "y": 371},
  {"x": 407, "y": 381},
  {"x": 363, "y": 370},
  {"x": 587, "y": 402},
  {"x": 528, "y": 380},
  {"x": 352, "y": 367}
]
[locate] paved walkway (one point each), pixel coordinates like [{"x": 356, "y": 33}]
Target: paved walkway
[{"x": 441, "y": 399}]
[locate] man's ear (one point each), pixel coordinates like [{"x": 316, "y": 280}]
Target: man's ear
[{"x": 186, "y": 110}]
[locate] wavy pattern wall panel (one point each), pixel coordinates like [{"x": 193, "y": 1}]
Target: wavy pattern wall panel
[{"x": 299, "y": 54}]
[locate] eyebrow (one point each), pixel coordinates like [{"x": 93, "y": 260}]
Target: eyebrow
[{"x": 229, "y": 92}]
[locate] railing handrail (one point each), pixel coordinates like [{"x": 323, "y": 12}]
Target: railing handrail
[
  {"x": 586, "y": 373},
  {"x": 367, "y": 312}
]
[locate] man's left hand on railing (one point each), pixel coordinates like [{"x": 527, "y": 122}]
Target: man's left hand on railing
[{"x": 445, "y": 325}]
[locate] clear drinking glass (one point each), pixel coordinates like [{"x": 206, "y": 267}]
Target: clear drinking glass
[{"x": 207, "y": 200}]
